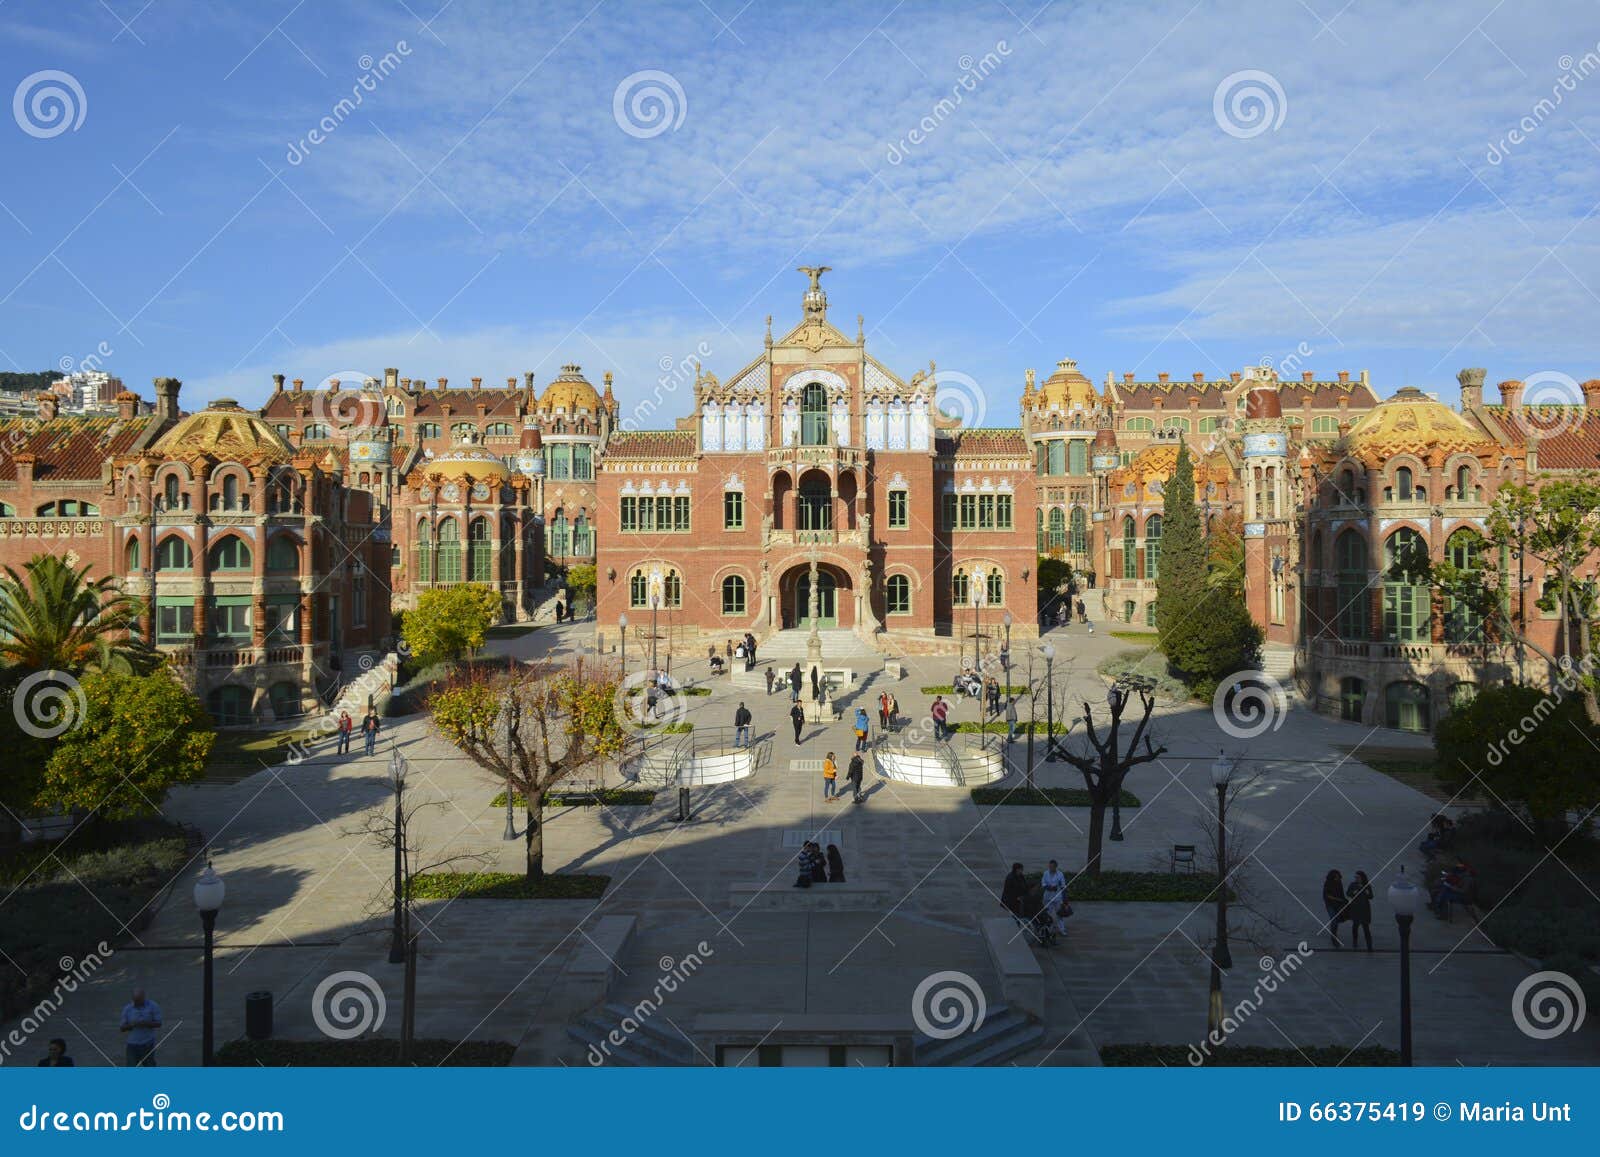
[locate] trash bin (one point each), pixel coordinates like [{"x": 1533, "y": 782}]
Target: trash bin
[{"x": 258, "y": 1015}]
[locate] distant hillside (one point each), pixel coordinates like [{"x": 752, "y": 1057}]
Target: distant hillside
[{"x": 26, "y": 383}]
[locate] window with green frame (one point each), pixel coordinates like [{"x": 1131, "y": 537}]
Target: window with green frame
[
  {"x": 959, "y": 589},
  {"x": 228, "y": 617},
  {"x": 628, "y": 515},
  {"x": 968, "y": 510},
  {"x": 448, "y": 555},
  {"x": 899, "y": 510},
  {"x": 173, "y": 553},
  {"x": 995, "y": 588},
  {"x": 1078, "y": 457},
  {"x": 1038, "y": 530},
  {"x": 1080, "y": 531},
  {"x": 733, "y": 595},
  {"x": 1405, "y": 604},
  {"x": 282, "y": 553},
  {"x": 1041, "y": 457},
  {"x": 1130, "y": 549},
  {"x": 1152, "y": 547},
  {"x": 1462, "y": 621},
  {"x": 582, "y": 462},
  {"x": 174, "y": 620},
  {"x": 478, "y": 551},
  {"x": 1058, "y": 457},
  {"x": 283, "y": 619},
  {"x": 229, "y": 553},
  {"x": 1141, "y": 425},
  {"x": 1058, "y": 529},
  {"x": 733, "y": 510},
  {"x": 1176, "y": 424},
  {"x": 558, "y": 460},
  {"x": 1350, "y": 564},
  {"x": 1210, "y": 425},
  {"x": 1325, "y": 425},
  {"x": 897, "y": 595},
  {"x": 814, "y": 415},
  {"x": 947, "y": 510},
  {"x": 426, "y": 430},
  {"x": 1004, "y": 512},
  {"x": 639, "y": 590}
]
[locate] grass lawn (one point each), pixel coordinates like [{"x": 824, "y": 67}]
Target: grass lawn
[
  {"x": 511, "y": 630},
  {"x": 1410, "y": 766},
  {"x": 506, "y": 886},
  {"x": 237, "y": 754}
]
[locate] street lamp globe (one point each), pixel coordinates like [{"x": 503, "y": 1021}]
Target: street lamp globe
[
  {"x": 209, "y": 890},
  {"x": 1404, "y": 896},
  {"x": 1047, "y": 652},
  {"x": 1221, "y": 771},
  {"x": 622, "y": 621},
  {"x": 1006, "y": 620}
]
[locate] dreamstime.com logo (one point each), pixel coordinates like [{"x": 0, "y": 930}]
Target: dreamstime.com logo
[
  {"x": 1249, "y": 704},
  {"x": 48, "y": 703},
  {"x": 347, "y": 1004},
  {"x": 1547, "y": 1004},
  {"x": 355, "y": 409},
  {"x": 674, "y": 973},
  {"x": 959, "y": 398},
  {"x": 1552, "y": 403},
  {"x": 49, "y": 103},
  {"x": 73, "y": 973},
  {"x": 1248, "y": 103},
  {"x": 648, "y": 103},
  {"x": 947, "y": 1004},
  {"x": 1274, "y": 973}
]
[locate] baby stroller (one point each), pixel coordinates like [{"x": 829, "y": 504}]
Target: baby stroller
[{"x": 1037, "y": 920}]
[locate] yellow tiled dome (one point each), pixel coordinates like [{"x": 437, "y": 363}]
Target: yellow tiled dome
[
  {"x": 1068, "y": 388},
  {"x": 227, "y": 431},
  {"x": 1411, "y": 423},
  {"x": 570, "y": 391}
]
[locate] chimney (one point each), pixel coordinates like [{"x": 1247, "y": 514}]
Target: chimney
[
  {"x": 391, "y": 378},
  {"x": 127, "y": 405},
  {"x": 1511, "y": 395},
  {"x": 1307, "y": 376},
  {"x": 443, "y": 382},
  {"x": 477, "y": 383},
  {"x": 1127, "y": 377},
  {"x": 167, "y": 398},
  {"x": 299, "y": 384},
  {"x": 1199, "y": 377},
  {"x": 333, "y": 385},
  {"x": 1591, "y": 394},
  {"x": 1161, "y": 377},
  {"x": 1471, "y": 387},
  {"x": 1344, "y": 377},
  {"x": 47, "y": 406},
  {"x": 1235, "y": 377},
  {"x": 511, "y": 383},
  {"x": 277, "y": 383},
  {"x": 24, "y": 467},
  {"x": 527, "y": 380}
]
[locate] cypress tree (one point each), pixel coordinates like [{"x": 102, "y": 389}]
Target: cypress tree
[{"x": 1181, "y": 580}]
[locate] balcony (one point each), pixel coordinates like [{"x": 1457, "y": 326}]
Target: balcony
[
  {"x": 825, "y": 457},
  {"x": 815, "y": 538}
]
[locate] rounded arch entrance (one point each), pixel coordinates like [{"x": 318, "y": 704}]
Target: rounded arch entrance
[{"x": 836, "y": 596}]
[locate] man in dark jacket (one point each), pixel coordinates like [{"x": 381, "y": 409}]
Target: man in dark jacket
[
  {"x": 1014, "y": 893},
  {"x": 741, "y": 726},
  {"x": 816, "y": 684},
  {"x": 795, "y": 678},
  {"x": 797, "y": 715},
  {"x": 853, "y": 775}
]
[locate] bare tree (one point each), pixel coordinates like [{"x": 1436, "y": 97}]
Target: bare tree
[
  {"x": 532, "y": 726},
  {"x": 1105, "y": 763}
]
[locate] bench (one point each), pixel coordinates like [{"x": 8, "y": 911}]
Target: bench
[
  {"x": 1021, "y": 978},
  {"x": 780, "y": 895},
  {"x": 595, "y": 964}
]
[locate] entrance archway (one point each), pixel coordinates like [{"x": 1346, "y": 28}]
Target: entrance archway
[
  {"x": 836, "y": 596},
  {"x": 827, "y": 602}
]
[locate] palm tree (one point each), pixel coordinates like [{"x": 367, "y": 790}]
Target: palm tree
[{"x": 56, "y": 618}]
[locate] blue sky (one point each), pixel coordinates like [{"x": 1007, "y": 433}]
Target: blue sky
[{"x": 497, "y": 204}]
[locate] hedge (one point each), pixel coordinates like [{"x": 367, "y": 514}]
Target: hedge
[
  {"x": 611, "y": 797},
  {"x": 1228, "y": 1056},
  {"x": 365, "y": 1052},
  {"x": 505, "y": 886},
  {"x": 1043, "y": 797},
  {"x": 949, "y": 689},
  {"x": 998, "y": 727}
]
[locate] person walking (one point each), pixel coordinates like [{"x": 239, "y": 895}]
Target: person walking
[
  {"x": 940, "y": 711},
  {"x": 861, "y": 726},
  {"x": 770, "y": 678},
  {"x": 1054, "y": 883},
  {"x": 344, "y": 732},
  {"x": 894, "y": 710},
  {"x": 830, "y": 779},
  {"x": 741, "y": 725},
  {"x": 795, "y": 678},
  {"x": 1359, "y": 909},
  {"x": 991, "y": 690},
  {"x": 1083, "y": 614},
  {"x": 1333, "y": 900},
  {"x": 816, "y": 684},
  {"x": 1014, "y": 893},
  {"x": 1011, "y": 719},
  {"x": 797, "y": 716},
  {"x": 369, "y": 731},
  {"x": 854, "y": 774},
  {"x": 141, "y": 1018},
  {"x": 883, "y": 711},
  {"x": 835, "y": 865}
]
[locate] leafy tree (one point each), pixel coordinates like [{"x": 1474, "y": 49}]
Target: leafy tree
[
  {"x": 450, "y": 621},
  {"x": 581, "y": 581},
  {"x": 1551, "y": 528},
  {"x": 55, "y": 618},
  {"x": 1105, "y": 763},
  {"x": 532, "y": 726},
  {"x": 1181, "y": 581},
  {"x": 1517, "y": 743},
  {"x": 1053, "y": 576},
  {"x": 138, "y": 736}
]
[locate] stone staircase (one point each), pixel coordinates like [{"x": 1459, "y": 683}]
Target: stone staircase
[
  {"x": 1277, "y": 660},
  {"x": 653, "y": 1044},
  {"x": 1006, "y": 1033}
]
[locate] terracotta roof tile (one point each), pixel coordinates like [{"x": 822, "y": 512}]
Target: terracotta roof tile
[
  {"x": 983, "y": 442},
  {"x": 651, "y": 444},
  {"x": 67, "y": 448}
]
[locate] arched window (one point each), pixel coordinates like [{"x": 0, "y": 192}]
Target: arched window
[
  {"x": 1325, "y": 425},
  {"x": 1058, "y": 529},
  {"x": 996, "y": 588},
  {"x": 463, "y": 431},
  {"x": 449, "y": 552},
  {"x": 229, "y": 705},
  {"x": 1404, "y": 490},
  {"x": 283, "y": 554},
  {"x": 173, "y": 553},
  {"x": 672, "y": 590},
  {"x": 316, "y": 432},
  {"x": 230, "y": 492},
  {"x": 395, "y": 407},
  {"x": 582, "y": 536},
  {"x": 1152, "y": 546},
  {"x": 816, "y": 505},
  {"x": 1405, "y": 603},
  {"x": 229, "y": 553},
  {"x": 1128, "y": 607},
  {"x": 1130, "y": 549},
  {"x": 1038, "y": 530},
  {"x": 69, "y": 508},
  {"x": 1465, "y": 490},
  {"x": 427, "y": 430},
  {"x": 1210, "y": 425},
  {"x": 1462, "y": 621},
  {"x": 424, "y": 552},
  {"x": 1350, "y": 560},
  {"x": 733, "y": 595},
  {"x": 1150, "y": 613},
  {"x": 478, "y": 551},
  {"x": 814, "y": 415},
  {"x": 1078, "y": 457},
  {"x": 1141, "y": 425},
  {"x": 959, "y": 590},
  {"x": 1176, "y": 424},
  {"x": 1080, "y": 531},
  {"x": 897, "y": 595},
  {"x": 497, "y": 429},
  {"x": 130, "y": 557},
  {"x": 560, "y": 543},
  {"x": 171, "y": 496},
  {"x": 1406, "y": 706},
  {"x": 1352, "y": 698}
]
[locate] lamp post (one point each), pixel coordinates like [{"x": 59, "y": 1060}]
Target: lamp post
[
  {"x": 511, "y": 824},
  {"x": 1404, "y": 896},
  {"x": 622, "y": 628},
  {"x": 1049, "y": 653},
  {"x": 1033, "y": 717},
  {"x": 1005, "y": 666},
  {"x": 397, "y": 937},
  {"x": 655, "y": 606},
  {"x": 1221, "y": 958},
  {"x": 208, "y": 893},
  {"x": 1114, "y": 696}
]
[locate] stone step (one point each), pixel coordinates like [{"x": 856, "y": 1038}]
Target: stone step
[{"x": 1005, "y": 1033}]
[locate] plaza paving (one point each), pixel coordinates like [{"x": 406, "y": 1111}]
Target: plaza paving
[{"x": 306, "y": 897}]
